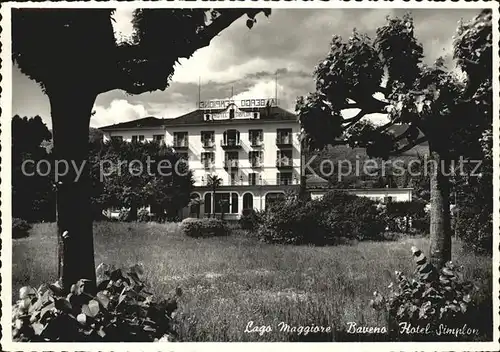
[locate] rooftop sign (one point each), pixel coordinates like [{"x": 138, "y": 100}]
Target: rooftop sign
[{"x": 244, "y": 103}]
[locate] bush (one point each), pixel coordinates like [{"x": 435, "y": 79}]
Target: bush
[
  {"x": 193, "y": 227},
  {"x": 123, "y": 215},
  {"x": 143, "y": 215},
  {"x": 121, "y": 311},
  {"x": 335, "y": 217},
  {"x": 475, "y": 227},
  {"x": 400, "y": 216},
  {"x": 250, "y": 219},
  {"x": 430, "y": 302},
  {"x": 20, "y": 228}
]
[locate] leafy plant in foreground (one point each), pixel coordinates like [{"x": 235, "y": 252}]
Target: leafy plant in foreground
[
  {"x": 121, "y": 311},
  {"x": 433, "y": 305}
]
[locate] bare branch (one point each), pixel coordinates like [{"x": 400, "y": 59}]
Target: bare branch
[{"x": 353, "y": 120}]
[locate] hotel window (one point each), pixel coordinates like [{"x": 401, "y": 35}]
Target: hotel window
[
  {"x": 207, "y": 138},
  {"x": 284, "y": 136},
  {"x": 284, "y": 158},
  {"x": 234, "y": 203},
  {"x": 180, "y": 139},
  {"x": 248, "y": 201},
  {"x": 208, "y": 203},
  {"x": 252, "y": 178},
  {"x": 256, "y": 137},
  {"x": 234, "y": 178},
  {"x": 284, "y": 178},
  {"x": 158, "y": 138},
  {"x": 387, "y": 200},
  {"x": 231, "y": 138},
  {"x": 183, "y": 155},
  {"x": 117, "y": 138},
  {"x": 139, "y": 138},
  {"x": 255, "y": 158},
  {"x": 231, "y": 113},
  {"x": 231, "y": 159},
  {"x": 222, "y": 202},
  {"x": 207, "y": 159}
]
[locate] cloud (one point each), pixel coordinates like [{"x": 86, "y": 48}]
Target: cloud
[
  {"x": 117, "y": 111},
  {"x": 290, "y": 41}
]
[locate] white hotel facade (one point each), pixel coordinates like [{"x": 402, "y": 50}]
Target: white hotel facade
[{"x": 251, "y": 145}]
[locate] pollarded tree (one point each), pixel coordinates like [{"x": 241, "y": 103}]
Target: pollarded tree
[
  {"x": 74, "y": 56},
  {"x": 386, "y": 75}
]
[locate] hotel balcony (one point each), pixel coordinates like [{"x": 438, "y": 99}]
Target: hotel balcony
[
  {"x": 284, "y": 142},
  {"x": 180, "y": 145},
  {"x": 231, "y": 164},
  {"x": 208, "y": 164},
  {"x": 256, "y": 162},
  {"x": 231, "y": 144},
  {"x": 284, "y": 163},
  {"x": 255, "y": 143},
  {"x": 208, "y": 143}
]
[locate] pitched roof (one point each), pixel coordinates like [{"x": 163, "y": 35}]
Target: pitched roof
[
  {"x": 196, "y": 117},
  {"x": 145, "y": 122}
]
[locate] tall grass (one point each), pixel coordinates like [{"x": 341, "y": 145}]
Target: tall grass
[{"x": 230, "y": 281}]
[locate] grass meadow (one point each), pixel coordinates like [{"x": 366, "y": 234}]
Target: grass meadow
[{"x": 228, "y": 282}]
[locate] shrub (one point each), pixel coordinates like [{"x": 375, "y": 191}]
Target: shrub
[
  {"x": 400, "y": 216},
  {"x": 121, "y": 311},
  {"x": 20, "y": 228},
  {"x": 475, "y": 227},
  {"x": 123, "y": 215},
  {"x": 143, "y": 215},
  {"x": 335, "y": 217},
  {"x": 250, "y": 219},
  {"x": 422, "y": 307},
  {"x": 352, "y": 217},
  {"x": 204, "y": 227}
]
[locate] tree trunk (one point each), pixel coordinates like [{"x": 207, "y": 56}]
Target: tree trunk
[
  {"x": 213, "y": 204},
  {"x": 440, "y": 225},
  {"x": 132, "y": 214},
  {"x": 71, "y": 110}
]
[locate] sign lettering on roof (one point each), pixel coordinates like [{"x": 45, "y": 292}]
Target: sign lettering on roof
[{"x": 244, "y": 103}]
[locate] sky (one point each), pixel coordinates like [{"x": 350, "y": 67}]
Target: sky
[{"x": 243, "y": 61}]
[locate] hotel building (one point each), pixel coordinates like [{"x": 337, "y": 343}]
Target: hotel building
[{"x": 251, "y": 145}]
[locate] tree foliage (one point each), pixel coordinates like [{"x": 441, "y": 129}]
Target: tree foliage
[
  {"x": 386, "y": 75},
  {"x": 32, "y": 194},
  {"x": 127, "y": 180},
  {"x": 56, "y": 46}
]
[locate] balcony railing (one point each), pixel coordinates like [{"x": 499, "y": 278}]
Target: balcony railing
[
  {"x": 256, "y": 162},
  {"x": 255, "y": 142},
  {"x": 284, "y": 141},
  {"x": 231, "y": 163},
  {"x": 208, "y": 164},
  {"x": 208, "y": 143},
  {"x": 284, "y": 182},
  {"x": 183, "y": 144},
  {"x": 284, "y": 162},
  {"x": 231, "y": 143}
]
